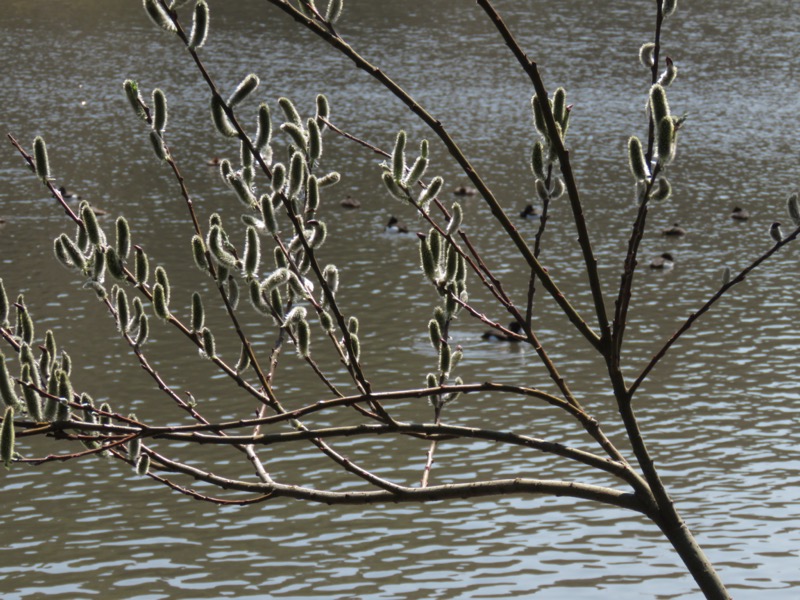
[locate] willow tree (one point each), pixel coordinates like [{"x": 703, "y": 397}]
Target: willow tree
[{"x": 275, "y": 257}]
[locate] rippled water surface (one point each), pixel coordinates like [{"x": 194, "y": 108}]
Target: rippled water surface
[{"x": 719, "y": 413}]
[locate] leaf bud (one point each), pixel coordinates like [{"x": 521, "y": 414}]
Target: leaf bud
[
  {"x": 158, "y": 15},
  {"x": 7, "y": 438},
  {"x": 199, "y": 25},
  {"x": 264, "y": 132},
  {"x": 636, "y": 159},
  {"x": 221, "y": 121},
  {"x": 41, "y": 161},
  {"x": 159, "y": 111},
  {"x": 134, "y": 98},
  {"x": 303, "y": 334},
  {"x": 243, "y": 90}
]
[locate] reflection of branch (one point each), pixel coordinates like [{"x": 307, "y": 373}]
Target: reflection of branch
[{"x": 707, "y": 306}]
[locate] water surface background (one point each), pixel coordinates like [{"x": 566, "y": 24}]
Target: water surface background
[{"x": 719, "y": 412}]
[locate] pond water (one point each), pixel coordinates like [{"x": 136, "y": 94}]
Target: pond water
[{"x": 719, "y": 413}]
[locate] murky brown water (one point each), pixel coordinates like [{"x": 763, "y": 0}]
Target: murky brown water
[{"x": 720, "y": 412}]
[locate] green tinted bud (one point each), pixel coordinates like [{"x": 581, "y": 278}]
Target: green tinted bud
[
  {"x": 399, "y": 157},
  {"x": 541, "y": 190},
  {"x": 215, "y": 244},
  {"x": 134, "y": 449},
  {"x": 323, "y": 110},
  {"x": 7, "y": 391},
  {"x": 159, "y": 111},
  {"x": 432, "y": 380},
  {"x": 636, "y": 159},
  {"x": 662, "y": 190},
  {"x": 303, "y": 335},
  {"x": 4, "y": 306},
  {"x": 66, "y": 362},
  {"x": 243, "y": 191},
  {"x": 331, "y": 178},
  {"x": 456, "y": 218},
  {"x": 314, "y": 141},
  {"x": 134, "y": 98},
  {"x": 198, "y": 312},
  {"x": 221, "y": 121},
  {"x": 726, "y": 276},
  {"x": 666, "y": 141},
  {"x": 326, "y": 321},
  {"x": 669, "y": 7},
  {"x": 658, "y": 103},
  {"x": 209, "y": 347},
  {"x": 793, "y": 208},
  {"x": 356, "y": 348},
  {"x": 417, "y": 171},
  {"x": 352, "y": 325},
  {"x": 114, "y": 263},
  {"x": 123, "y": 311},
  {"x": 256, "y": 299},
  {"x": 90, "y": 222},
  {"x": 669, "y": 74},
  {"x": 141, "y": 266},
  {"x": 7, "y": 438},
  {"x": 435, "y": 243},
  {"x": 392, "y": 187},
  {"x": 123, "y": 238},
  {"x": 198, "y": 253},
  {"x": 158, "y": 15},
  {"x": 161, "y": 277},
  {"x": 538, "y": 117},
  {"x": 264, "y": 132},
  {"x": 296, "y": 314},
  {"x": 276, "y": 303},
  {"x": 430, "y": 192},
  {"x": 319, "y": 233},
  {"x": 560, "y": 106},
  {"x": 244, "y": 89},
  {"x": 199, "y": 25},
  {"x": 244, "y": 360},
  {"x": 278, "y": 177},
  {"x": 160, "y": 302},
  {"x": 435, "y": 333},
  {"x": 451, "y": 264},
  {"x": 280, "y": 258},
  {"x": 646, "y": 54},
  {"x": 427, "y": 259},
  {"x": 290, "y": 111},
  {"x": 24, "y": 329},
  {"x": 158, "y": 145},
  {"x": 312, "y": 194},
  {"x": 268, "y": 214},
  {"x": 142, "y": 331},
  {"x": 233, "y": 292},
  {"x": 32, "y": 402},
  {"x": 278, "y": 278},
  {"x": 143, "y": 464},
  {"x": 64, "y": 386},
  {"x": 40, "y": 159},
  {"x": 444, "y": 358},
  {"x": 252, "y": 252},
  {"x": 334, "y": 11},
  {"x": 331, "y": 275},
  {"x": 537, "y": 160},
  {"x": 296, "y": 175}
]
